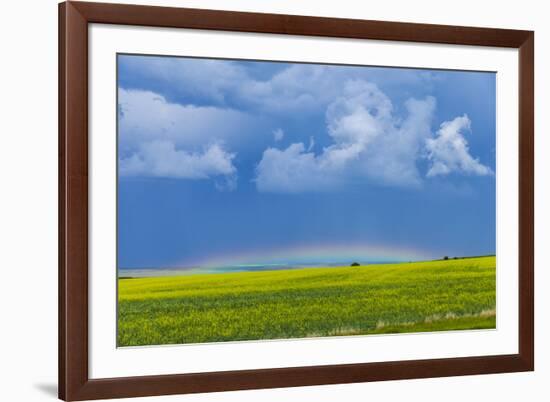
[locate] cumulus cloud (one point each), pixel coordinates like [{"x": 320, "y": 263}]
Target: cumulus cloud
[
  {"x": 369, "y": 137},
  {"x": 224, "y": 82},
  {"x": 147, "y": 116},
  {"x": 160, "y": 158},
  {"x": 297, "y": 87},
  {"x": 162, "y": 139},
  {"x": 300, "y": 87},
  {"x": 449, "y": 152},
  {"x": 212, "y": 80},
  {"x": 368, "y": 142},
  {"x": 294, "y": 170}
]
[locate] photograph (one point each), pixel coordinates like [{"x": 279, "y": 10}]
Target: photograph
[
  {"x": 262, "y": 200},
  {"x": 270, "y": 201}
]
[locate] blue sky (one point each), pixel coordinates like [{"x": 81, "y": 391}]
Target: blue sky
[{"x": 227, "y": 162}]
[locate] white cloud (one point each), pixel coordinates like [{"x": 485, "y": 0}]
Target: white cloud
[
  {"x": 293, "y": 171},
  {"x": 160, "y": 158},
  {"x": 368, "y": 139},
  {"x": 278, "y": 134},
  {"x": 449, "y": 151},
  {"x": 369, "y": 142},
  {"x": 162, "y": 139},
  {"x": 297, "y": 87},
  {"x": 211, "y": 79},
  {"x": 146, "y": 116}
]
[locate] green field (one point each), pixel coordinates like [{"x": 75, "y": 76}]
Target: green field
[{"x": 387, "y": 298}]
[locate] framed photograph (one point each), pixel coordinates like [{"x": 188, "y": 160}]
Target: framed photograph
[{"x": 260, "y": 200}]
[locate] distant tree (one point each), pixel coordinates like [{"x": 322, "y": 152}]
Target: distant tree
[
  {"x": 456, "y": 258},
  {"x": 446, "y": 257},
  {"x": 355, "y": 264}
]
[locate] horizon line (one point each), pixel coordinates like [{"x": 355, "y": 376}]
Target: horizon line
[{"x": 304, "y": 265}]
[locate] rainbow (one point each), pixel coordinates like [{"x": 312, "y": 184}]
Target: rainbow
[{"x": 317, "y": 254}]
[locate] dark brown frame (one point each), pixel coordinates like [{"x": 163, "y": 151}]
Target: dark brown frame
[{"x": 74, "y": 383}]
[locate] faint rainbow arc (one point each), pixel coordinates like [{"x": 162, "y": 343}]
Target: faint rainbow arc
[{"x": 317, "y": 253}]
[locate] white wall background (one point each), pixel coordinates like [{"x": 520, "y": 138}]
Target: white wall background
[{"x": 28, "y": 199}]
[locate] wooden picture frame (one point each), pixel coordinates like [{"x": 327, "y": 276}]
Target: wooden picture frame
[{"x": 74, "y": 381}]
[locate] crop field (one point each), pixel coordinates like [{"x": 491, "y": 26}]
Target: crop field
[{"x": 455, "y": 294}]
